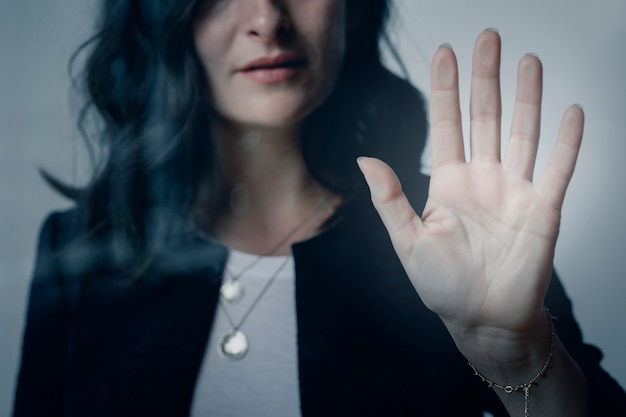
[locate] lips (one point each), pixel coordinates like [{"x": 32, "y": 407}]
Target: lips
[
  {"x": 278, "y": 61},
  {"x": 273, "y": 69}
]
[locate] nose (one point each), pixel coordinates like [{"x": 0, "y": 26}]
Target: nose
[{"x": 268, "y": 21}]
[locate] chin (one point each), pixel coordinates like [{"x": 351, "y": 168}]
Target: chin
[{"x": 272, "y": 115}]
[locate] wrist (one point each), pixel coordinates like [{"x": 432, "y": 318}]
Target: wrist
[
  {"x": 562, "y": 392},
  {"x": 510, "y": 358},
  {"x": 519, "y": 371}
]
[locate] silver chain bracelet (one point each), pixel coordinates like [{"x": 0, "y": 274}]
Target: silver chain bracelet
[{"x": 525, "y": 388}]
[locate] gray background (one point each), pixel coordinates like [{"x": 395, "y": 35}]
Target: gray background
[{"x": 580, "y": 43}]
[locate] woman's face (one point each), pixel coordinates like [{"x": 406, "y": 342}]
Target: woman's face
[{"x": 269, "y": 63}]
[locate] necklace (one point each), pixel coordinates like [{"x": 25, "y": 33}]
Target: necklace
[
  {"x": 232, "y": 291},
  {"x": 234, "y": 344}
]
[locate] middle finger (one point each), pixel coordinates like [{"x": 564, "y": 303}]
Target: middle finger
[{"x": 485, "y": 104}]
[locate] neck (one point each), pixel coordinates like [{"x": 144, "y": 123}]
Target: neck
[
  {"x": 267, "y": 161},
  {"x": 267, "y": 190}
]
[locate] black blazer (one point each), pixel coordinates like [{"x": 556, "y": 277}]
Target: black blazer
[{"x": 97, "y": 345}]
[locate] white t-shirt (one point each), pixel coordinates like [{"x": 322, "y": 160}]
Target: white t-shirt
[{"x": 265, "y": 381}]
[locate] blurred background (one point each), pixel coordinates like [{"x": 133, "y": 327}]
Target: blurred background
[{"x": 582, "y": 46}]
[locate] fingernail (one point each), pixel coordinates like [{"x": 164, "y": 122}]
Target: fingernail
[
  {"x": 445, "y": 45},
  {"x": 491, "y": 30},
  {"x": 532, "y": 54},
  {"x": 580, "y": 106},
  {"x": 359, "y": 159}
]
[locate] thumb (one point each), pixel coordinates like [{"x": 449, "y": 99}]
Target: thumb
[{"x": 392, "y": 206}]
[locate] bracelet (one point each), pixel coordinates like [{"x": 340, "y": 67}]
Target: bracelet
[{"x": 525, "y": 388}]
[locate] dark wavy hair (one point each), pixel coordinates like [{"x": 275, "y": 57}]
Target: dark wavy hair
[{"x": 147, "y": 99}]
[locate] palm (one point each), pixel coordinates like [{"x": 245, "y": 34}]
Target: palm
[
  {"x": 483, "y": 232},
  {"x": 481, "y": 254}
]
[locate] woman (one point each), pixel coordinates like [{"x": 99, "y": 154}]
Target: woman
[{"x": 231, "y": 129}]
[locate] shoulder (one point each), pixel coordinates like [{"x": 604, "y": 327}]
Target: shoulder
[
  {"x": 61, "y": 227},
  {"x": 68, "y": 247}
]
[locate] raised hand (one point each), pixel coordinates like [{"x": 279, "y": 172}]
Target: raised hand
[{"x": 481, "y": 254}]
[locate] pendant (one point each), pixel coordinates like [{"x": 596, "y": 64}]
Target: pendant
[
  {"x": 233, "y": 346},
  {"x": 232, "y": 291}
]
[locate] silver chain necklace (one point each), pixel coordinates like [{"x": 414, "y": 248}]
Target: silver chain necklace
[
  {"x": 234, "y": 344},
  {"x": 232, "y": 291}
]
